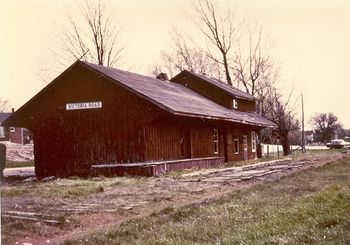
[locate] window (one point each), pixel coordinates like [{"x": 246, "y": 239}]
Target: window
[
  {"x": 245, "y": 145},
  {"x": 236, "y": 145},
  {"x": 12, "y": 129},
  {"x": 234, "y": 104},
  {"x": 2, "y": 132},
  {"x": 253, "y": 141},
  {"x": 216, "y": 141}
]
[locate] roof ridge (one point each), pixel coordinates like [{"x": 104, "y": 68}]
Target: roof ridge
[{"x": 117, "y": 69}]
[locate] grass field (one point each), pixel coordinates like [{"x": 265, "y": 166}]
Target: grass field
[
  {"x": 311, "y": 207},
  {"x": 14, "y": 164}
]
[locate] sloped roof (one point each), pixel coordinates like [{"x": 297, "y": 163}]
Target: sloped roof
[
  {"x": 219, "y": 84},
  {"x": 4, "y": 116},
  {"x": 177, "y": 98}
]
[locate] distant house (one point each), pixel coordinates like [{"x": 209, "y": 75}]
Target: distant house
[
  {"x": 309, "y": 136},
  {"x": 92, "y": 119},
  {"x": 4, "y": 131},
  {"x": 13, "y": 134}
]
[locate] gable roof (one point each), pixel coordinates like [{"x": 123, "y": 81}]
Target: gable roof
[
  {"x": 4, "y": 116},
  {"x": 235, "y": 92},
  {"x": 177, "y": 98},
  {"x": 172, "y": 97},
  {"x": 309, "y": 132}
]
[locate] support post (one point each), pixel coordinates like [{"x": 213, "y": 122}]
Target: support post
[
  {"x": 268, "y": 151},
  {"x": 2, "y": 160},
  {"x": 302, "y": 126}
]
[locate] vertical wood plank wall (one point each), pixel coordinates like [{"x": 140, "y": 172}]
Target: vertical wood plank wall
[
  {"x": 68, "y": 142},
  {"x": 126, "y": 129},
  {"x": 215, "y": 94}
]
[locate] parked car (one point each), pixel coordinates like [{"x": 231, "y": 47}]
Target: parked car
[{"x": 337, "y": 144}]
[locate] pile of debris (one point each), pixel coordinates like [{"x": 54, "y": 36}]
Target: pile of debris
[
  {"x": 237, "y": 174},
  {"x": 30, "y": 216}
]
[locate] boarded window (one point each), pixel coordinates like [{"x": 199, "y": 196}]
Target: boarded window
[
  {"x": 253, "y": 141},
  {"x": 216, "y": 141},
  {"x": 236, "y": 145}
]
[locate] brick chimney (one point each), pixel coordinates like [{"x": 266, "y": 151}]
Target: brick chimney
[
  {"x": 13, "y": 110},
  {"x": 163, "y": 76}
]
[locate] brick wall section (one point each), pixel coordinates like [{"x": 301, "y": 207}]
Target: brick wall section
[{"x": 16, "y": 136}]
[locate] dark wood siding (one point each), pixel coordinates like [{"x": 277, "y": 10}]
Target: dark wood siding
[
  {"x": 246, "y": 105},
  {"x": 163, "y": 141},
  {"x": 237, "y": 131},
  {"x": 207, "y": 90},
  {"x": 127, "y": 129},
  {"x": 202, "y": 141},
  {"x": 172, "y": 137},
  {"x": 215, "y": 94},
  {"x": 68, "y": 142}
]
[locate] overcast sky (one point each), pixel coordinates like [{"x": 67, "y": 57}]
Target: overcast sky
[{"x": 310, "y": 39}]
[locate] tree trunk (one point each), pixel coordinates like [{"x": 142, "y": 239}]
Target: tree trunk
[
  {"x": 285, "y": 143},
  {"x": 227, "y": 72}
]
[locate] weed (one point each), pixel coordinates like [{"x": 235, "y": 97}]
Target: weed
[
  {"x": 99, "y": 189},
  {"x": 62, "y": 219},
  {"x": 17, "y": 224}
]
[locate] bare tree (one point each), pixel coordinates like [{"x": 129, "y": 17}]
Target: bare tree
[
  {"x": 219, "y": 30},
  {"x": 253, "y": 67},
  {"x": 4, "y": 105},
  {"x": 249, "y": 65},
  {"x": 282, "y": 114},
  {"x": 326, "y": 125},
  {"x": 93, "y": 37},
  {"x": 186, "y": 55}
]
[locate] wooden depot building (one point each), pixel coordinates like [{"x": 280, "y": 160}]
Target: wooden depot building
[{"x": 94, "y": 120}]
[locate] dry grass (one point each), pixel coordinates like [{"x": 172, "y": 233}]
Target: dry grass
[
  {"x": 312, "y": 207},
  {"x": 45, "y": 198},
  {"x": 17, "y": 164},
  {"x": 64, "y": 188}
]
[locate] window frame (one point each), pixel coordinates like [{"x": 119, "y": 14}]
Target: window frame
[
  {"x": 12, "y": 129},
  {"x": 216, "y": 140},
  {"x": 245, "y": 142},
  {"x": 236, "y": 141},
  {"x": 2, "y": 132},
  {"x": 253, "y": 141}
]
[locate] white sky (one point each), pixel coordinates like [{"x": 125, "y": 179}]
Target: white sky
[{"x": 310, "y": 41}]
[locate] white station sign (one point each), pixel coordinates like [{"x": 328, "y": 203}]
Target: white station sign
[{"x": 84, "y": 105}]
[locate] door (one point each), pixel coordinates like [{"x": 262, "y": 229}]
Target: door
[
  {"x": 245, "y": 147},
  {"x": 186, "y": 144}
]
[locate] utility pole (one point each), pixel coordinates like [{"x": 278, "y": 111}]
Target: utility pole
[{"x": 302, "y": 126}]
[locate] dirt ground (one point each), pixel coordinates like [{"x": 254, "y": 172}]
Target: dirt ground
[{"x": 76, "y": 209}]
